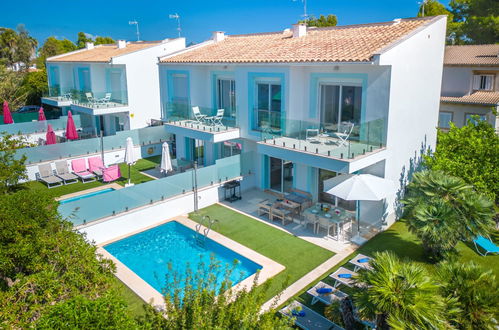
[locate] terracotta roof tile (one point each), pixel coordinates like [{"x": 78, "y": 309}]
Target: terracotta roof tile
[
  {"x": 472, "y": 55},
  {"x": 351, "y": 43},
  {"x": 480, "y": 98},
  {"x": 102, "y": 53}
]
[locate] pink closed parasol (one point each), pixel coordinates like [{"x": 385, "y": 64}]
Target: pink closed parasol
[
  {"x": 7, "y": 116},
  {"x": 41, "y": 115},
  {"x": 71, "y": 133},
  {"x": 50, "y": 137}
]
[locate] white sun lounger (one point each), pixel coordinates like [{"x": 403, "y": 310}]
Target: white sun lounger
[
  {"x": 361, "y": 261},
  {"x": 337, "y": 276},
  {"x": 62, "y": 171},
  {"x": 326, "y": 298},
  {"x": 310, "y": 320},
  {"x": 46, "y": 175}
]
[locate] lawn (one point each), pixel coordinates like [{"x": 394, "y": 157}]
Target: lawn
[
  {"x": 297, "y": 255},
  {"x": 136, "y": 178},
  {"x": 406, "y": 246}
]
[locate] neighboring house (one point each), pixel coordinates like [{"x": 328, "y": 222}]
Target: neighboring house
[
  {"x": 307, "y": 104},
  {"x": 470, "y": 85},
  {"x": 113, "y": 87}
]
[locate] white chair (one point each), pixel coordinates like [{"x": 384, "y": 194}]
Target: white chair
[
  {"x": 90, "y": 98},
  {"x": 105, "y": 99},
  {"x": 217, "y": 119},
  {"x": 312, "y": 134},
  {"x": 200, "y": 118},
  {"x": 343, "y": 134}
]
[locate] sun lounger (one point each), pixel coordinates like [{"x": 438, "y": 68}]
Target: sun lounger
[
  {"x": 486, "y": 244},
  {"x": 62, "y": 172},
  {"x": 325, "y": 293},
  {"x": 80, "y": 169},
  {"x": 112, "y": 173},
  {"x": 95, "y": 165},
  {"x": 307, "y": 318},
  {"x": 46, "y": 175},
  {"x": 361, "y": 261},
  {"x": 343, "y": 276}
]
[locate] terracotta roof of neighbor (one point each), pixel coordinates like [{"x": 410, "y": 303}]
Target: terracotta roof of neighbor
[
  {"x": 487, "y": 55},
  {"x": 349, "y": 43},
  {"x": 479, "y": 98},
  {"x": 102, "y": 53}
]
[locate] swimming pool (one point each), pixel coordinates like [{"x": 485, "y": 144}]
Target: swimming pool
[
  {"x": 149, "y": 253},
  {"x": 98, "y": 192}
]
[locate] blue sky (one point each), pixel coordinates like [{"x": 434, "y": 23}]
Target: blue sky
[{"x": 64, "y": 19}]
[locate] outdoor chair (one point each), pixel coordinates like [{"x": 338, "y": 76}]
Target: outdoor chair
[
  {"x": 90, "y": 98},
  {"x": 264, "y": 208},
  {"x": 282, "y": 214},
  {"x": 96, "y": 166},
  {"x": 80, "y": 169},
  {"x": 325, "y": 224},
  {"x": 112, "y": 173},
  {"x": 46, "y": 175},
  {"x": 325, "y": 293},
  {"x": 217, "y": 119},
  {"x": 486, "y": 244},
  {"x": 343, "y": 276},
  {"x": 105, "y": 99},
  {"x": 306, "y": 318},
  {"x": 312, "y": 135},
  {"x": 361, "y": 261},
  {"x": 62, "y": 171},
  {"x": 343, "y": 134},
  {"x": 200, "y": 118}
]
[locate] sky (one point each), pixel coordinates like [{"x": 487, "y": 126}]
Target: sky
[{"x": 64, "y": 19}]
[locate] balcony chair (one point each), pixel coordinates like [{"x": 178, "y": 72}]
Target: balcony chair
[
  {"x": 105, "y": 99},
  {"x": 198, "y": 116},
  {"x": 343, "y": 134},
  {"x": 90, "y": 98},
  {"x": 217, "y": 119},
  {"x": 312, "y": 135}
]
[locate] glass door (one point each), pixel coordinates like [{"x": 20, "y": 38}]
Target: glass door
[
  {"x": 339, "y": 104},
  {"x": 268, "y": 106},
  {"x": 226, "y": 97},
  {"x": 281, "y": 175},
  {"x": 195, "y": 150}
]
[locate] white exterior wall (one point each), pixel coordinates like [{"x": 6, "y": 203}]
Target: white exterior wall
[{"x": 416, "y": 77}]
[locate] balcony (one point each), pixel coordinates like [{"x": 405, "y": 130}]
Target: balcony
[
  {"x": 201, "y": 123},
  {"x": 57, "y": 98},
  {"x": 344, "y": 147},
  {"x": 100, "y": 103}
]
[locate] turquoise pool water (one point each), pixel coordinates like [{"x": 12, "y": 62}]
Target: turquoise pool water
[
  {"x": 95, "y": 193},
  {"x": 148, "y": 254}
]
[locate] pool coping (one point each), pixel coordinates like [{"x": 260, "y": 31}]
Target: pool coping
[
  {"x": 113, "y": 185},
  {"x": 146, "y": 292}
]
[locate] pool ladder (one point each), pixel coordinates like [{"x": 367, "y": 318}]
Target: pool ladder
[{"x": 207, "y": 222}]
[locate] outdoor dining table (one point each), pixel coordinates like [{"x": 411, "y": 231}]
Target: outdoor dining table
[{"x": 336, "y": 216}]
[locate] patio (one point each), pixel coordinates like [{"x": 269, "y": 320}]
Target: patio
[{"x": 249, "y": 206}]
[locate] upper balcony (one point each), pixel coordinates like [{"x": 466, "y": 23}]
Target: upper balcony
[
  {"x": 202, "y": 123},
  {"x": 55, "y": 97},
  {"x": 100, "y": 103},
  {"x": 344, "y": 147}
]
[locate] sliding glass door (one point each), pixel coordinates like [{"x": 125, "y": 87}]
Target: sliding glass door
[
  {"x": 226, "y": 97},
  {"x": 280, "y": 175},
  {"x": 268, "y": 106},
  {"x": 340, "y": 104}
]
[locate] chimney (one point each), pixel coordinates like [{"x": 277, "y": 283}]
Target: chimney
[
  {"x": 397, "y": 21},
  {"x": 299, "y": 30},
  {"x": 217, "y": 36},
  {"x": 121, "y": 43},
  {"x": 89, "y": 45}
]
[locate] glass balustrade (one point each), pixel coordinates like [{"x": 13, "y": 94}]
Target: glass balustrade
[{"x": 39, "y": 126}]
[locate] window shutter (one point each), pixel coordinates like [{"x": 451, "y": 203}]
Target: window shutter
[{"x": 476, "y": 82}]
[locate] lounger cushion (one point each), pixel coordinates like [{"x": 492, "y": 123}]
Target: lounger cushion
[
  {"x": 363, "y": 260},
  {"x": 344, "y": 275},
  {"x": 323, "y": 290},
  {"x": 298, "y": 313}
]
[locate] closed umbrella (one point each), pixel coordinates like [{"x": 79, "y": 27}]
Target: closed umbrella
[
  {"x": 7, "y": 116},
  {"x": 41, "y": 115},
  {"x": 166, "y": 161},
  {"x": 129, "y": 157},
  {"x": 71, "y": 133},
  {"x": 50, "y": 136}
]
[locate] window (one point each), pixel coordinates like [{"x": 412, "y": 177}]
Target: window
[
  {"x": 469, "y": 116},
  {"x": 483, "y": 82},
  {"x": 340, "y": 104},
  {"x": 180, "y": 93},
  {"x": 444, "y": 118},
  {"x": 54, "y": 78},
  {"x": 226, "y": 96},
  {"x": 268, "y": 96}
]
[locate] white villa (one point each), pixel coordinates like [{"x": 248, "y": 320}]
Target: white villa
[
  {"x": 310, "y": 104},
  {"x": 112, "y": 87},
  {"x": 470, "y": 85}
]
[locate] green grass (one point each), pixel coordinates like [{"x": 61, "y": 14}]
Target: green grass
[
  {"x": 136, "y": 178},
  {"x": 297, "y": 255},
  {"x": 405, "y": 245},
  {"x": 134, "y": 303}
]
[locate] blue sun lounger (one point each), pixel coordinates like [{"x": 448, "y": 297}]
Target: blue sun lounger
[{"x": 486, "y": 244}]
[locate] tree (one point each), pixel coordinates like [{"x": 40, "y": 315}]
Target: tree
[
  {"x": 8, "y": 42},
  {"x": 469, "y": 152},
  {"x": 477, "y": 21},
  {"x": 12, "y": 169},
  {"x": 82, "y": 40},
  {"x": 474, "y": 290},
  {"x": 435, "y": 8},
  {"x": 322, "y": 21},
  {"x": 399, "y": 295},
  {"x": 442, "y": 210},
  {"x": 196, "y": 300},
  {"x": 10, "y": 88},
  {"x": 104, "y": 40},
  {"x": 52, "y": 47},
  {"x": 26, "y": 47}
]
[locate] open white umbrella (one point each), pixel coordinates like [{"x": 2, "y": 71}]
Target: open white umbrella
[
  {"x": 166, "y": 161},
  {"x": 364, "y": 187},
  {"x": 129, "y": 156}
]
